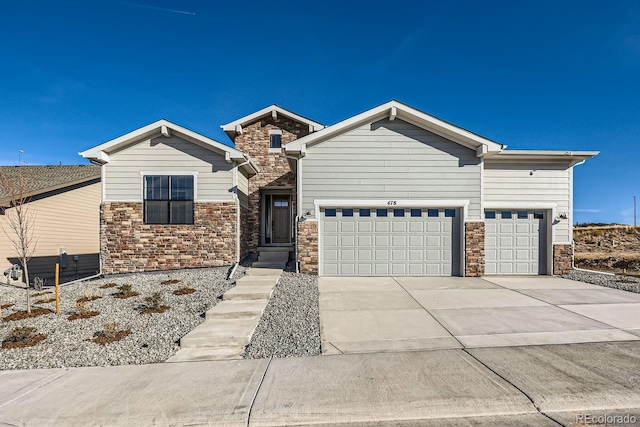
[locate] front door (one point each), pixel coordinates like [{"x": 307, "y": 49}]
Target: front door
[{"x": 281, "y": 219}]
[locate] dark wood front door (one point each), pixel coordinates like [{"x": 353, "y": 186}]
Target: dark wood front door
[{"x": 281, "y": 225}]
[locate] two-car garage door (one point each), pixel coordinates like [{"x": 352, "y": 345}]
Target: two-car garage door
[{"x": 390, "y": 241}]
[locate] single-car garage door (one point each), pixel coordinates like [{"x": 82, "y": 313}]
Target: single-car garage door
[
  {"x": 390, "y": 242},
  {"x": 515, "y": 242}
]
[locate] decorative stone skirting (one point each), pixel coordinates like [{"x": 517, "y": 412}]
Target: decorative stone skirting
[
  {"x": 308, "y": 246},
  {"x": 129, "y": 245},
  {"x": 562, "y": 259},
  {"x": 474, "y": 249}
]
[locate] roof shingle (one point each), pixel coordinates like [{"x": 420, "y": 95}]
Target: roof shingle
[{"x": 45, "y": 178}]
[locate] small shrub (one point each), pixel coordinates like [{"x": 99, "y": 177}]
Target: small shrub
[
  {"x": 154, "y": 301},
  {"x": 81, "y": 307},
  {"x": 184, "y": 290},
  {"x": 125, "y": 289},
  {"x": 110, "y": 333},
  {"x": 82, "y": 312},
  {"x": 22, "y": 336}
]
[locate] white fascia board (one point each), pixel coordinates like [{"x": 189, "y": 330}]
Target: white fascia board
[
  {"x": 405, "y": 113},
  {"x": 541, "y": 155},
  {"x": 230, "y": 128},
  {"x": 161, "y": 127},
  {"x": 508, "y": 204}
]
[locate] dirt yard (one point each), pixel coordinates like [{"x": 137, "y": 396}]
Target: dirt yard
[{"x": 612, "y": 248}]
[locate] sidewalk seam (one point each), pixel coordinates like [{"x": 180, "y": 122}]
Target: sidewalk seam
[
  {"x": 525, "y": 394},
  {"x": 38, "y": 385},
  {"x": 255, "y": 396}
]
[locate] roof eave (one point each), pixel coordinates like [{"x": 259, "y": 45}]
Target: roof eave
[{"x": 231, "y": 128}]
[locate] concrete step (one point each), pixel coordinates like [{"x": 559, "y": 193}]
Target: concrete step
[
  {"x": 248, "y": 293},
  {"x": 275, "y": 249},
  {"x": 234, "y": 309},
  {"x": 257, "y": 281},
  {"x": 221, "y": 333},
  {"x": 259, "y": 264},
  {"x": 202, "y": 354},
  {"x": 273, "y": 257},
  {"x": 275, "y": 272}
]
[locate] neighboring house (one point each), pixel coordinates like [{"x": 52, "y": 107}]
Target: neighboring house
[
  {"x": 391, "y": 191},
  {"x": 66, "y": 203}
]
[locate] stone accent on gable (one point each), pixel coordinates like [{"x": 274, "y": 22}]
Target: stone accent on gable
[
  {"x": 308, "y": 246},
  {"x": 562, "y": 259},
  {"x": 274, "y": 168},
  {"x": 128, "y": 245},
  {"x": 474, "y": 249}
]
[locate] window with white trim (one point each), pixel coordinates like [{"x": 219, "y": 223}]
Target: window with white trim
[
  {"x": 275, "y": 138},
  {"x": 168, "y": 199}
]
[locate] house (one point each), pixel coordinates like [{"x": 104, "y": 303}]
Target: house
[
  {"x": 390, "y": 191},
  {"x": 66, "y": 203}
]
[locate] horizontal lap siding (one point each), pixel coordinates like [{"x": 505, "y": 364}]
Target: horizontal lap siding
[
  {"x": 514, "y": 182},
  {"x": 124, "y": 182},
  {"x": 391, "y": 160},
  {"x": 66, "y": 219},
  {"x": 243, "y": 190}
]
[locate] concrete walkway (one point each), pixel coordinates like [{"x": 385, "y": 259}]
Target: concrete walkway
[
  {"x": 372, "y": 314},
  {"x": 229, "y": 325},
  {"x": 524, "y": 386}
]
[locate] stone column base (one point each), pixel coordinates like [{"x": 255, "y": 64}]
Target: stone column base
[
  {"x": 308, "y": 246},
  {"x": 562, "y": 259},
  {"x": 474, "y": 249}
]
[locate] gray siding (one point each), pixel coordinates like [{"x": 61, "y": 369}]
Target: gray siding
[
  {"x": 243, "y": 190},
  {"x": 123, "y": 181},
  {"x": 391, "y": 160},
  {"x": 527, "y": 182}
]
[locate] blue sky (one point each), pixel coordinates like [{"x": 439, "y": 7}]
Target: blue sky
[{"x": 532, "y": 75}]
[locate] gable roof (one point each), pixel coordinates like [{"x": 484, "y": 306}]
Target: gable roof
[
  {"x": 235, "y": 127},
  {"x": 100, "y": 153},
  {"x": 42, "y": 179},
  {"x": 397, "y": 110}
]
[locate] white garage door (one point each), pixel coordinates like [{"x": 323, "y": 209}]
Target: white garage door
[
  {"x": 390, "y": 242},
  {"x": 515, "y": 242}
]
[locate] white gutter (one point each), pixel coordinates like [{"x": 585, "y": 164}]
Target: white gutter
[{"x": 237, "y": 200}]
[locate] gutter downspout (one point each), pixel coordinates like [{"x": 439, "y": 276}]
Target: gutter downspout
[
  {"x": 237, "y": 200},
  {"x": 298, "y": 201}
]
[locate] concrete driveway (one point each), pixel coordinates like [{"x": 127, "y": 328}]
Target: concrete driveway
[{"x": 382, "y": 314}]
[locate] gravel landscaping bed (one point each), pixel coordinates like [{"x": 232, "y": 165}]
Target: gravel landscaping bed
[
  {"x": 625, "y": 283},
  {"x": 290, "y": 324},
  {"x": 153, "y": 337}
]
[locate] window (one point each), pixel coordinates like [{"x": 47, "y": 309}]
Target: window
[
  {"x": 505, "y": 214},
  {"x": 432, "y": 213},
  {"x": 329, "y": 212},
  {"x": 450, "y": 213},
  {"x": 416, "y": 213},
  {"x": 538, "y": 215},
  {"x": 347, "y": 212},
  {"x": 381, "y": 212},
  {"x": 398, "y": 212},
  {"x": 168, "y": 199},
  {"x": 275, "y": 139},
  {"x": 523, "y": 214},
  {"x": 365, "y": 212},
  {"x": 490, "y": 214}
]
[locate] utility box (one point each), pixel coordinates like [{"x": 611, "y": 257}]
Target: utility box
[
  {"x": 14, "y": 272},
  {"x": 63, "y": 258}
]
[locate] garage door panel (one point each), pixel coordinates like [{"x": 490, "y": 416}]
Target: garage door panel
[
  {"x": 515, "y": 244},
  {"x": 404, "y": 242}
]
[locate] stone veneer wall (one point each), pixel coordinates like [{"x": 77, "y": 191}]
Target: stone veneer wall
[
  {"x": 562, "y": 259},
  {"x": 474, "y": 249},
  {"x": 244, "y": 246},
  {"x": 308, "y": 246},
  {"x": 274, "y": 168},
  {"x": 128, "y": 245}
]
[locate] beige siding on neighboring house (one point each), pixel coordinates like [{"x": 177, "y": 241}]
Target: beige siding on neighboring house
[
  {"x": 67, "y": 219},
  {"x": 391, "y": 160},
  {"x": 123, "y": 181},
  {"x": 532, "y": 183}
]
